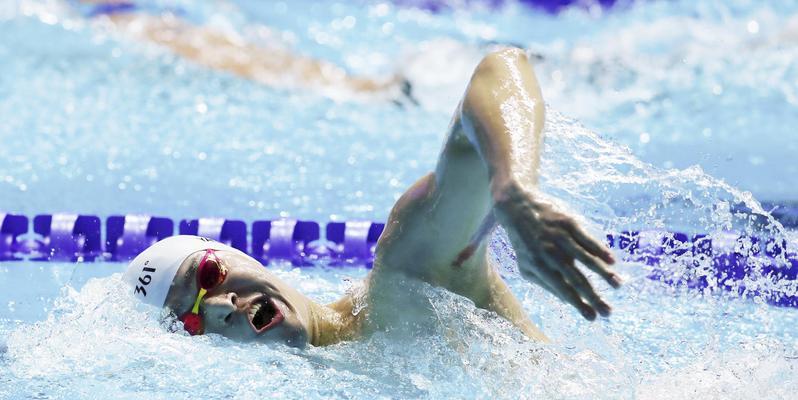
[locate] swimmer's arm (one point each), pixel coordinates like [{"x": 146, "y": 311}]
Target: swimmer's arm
[
  {"x": 229, "y": 52},
  {"x": 487, "y": 170},
  {"x": 502, "y": 116}
]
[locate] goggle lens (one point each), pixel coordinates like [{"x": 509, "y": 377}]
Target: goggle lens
[{"x": 211, "y": 274}]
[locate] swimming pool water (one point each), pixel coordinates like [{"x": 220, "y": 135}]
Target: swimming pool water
[{"x": 95, "y": 122}]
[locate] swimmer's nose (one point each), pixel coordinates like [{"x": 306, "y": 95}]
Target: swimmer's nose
[{"x": 221, "y": 307}]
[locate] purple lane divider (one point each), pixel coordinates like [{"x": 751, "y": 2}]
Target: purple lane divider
[
  {"x": 284, "y": 239},
  {"x": 355, "y": 241},
  {"x": 111, "y": 9},
  {"x": 782, "y": 270},
  {"x": 11, "y": 227},
  {"x": 729, "y": 259},
  {"x": 628, "y": 241},
  {"x": 678, "y": 259},
  {"x": 549, "y": 6},
  {"x": 676, "y": 244},
  {"x": 657, "y": 248},
  {"x": 554, "y": 6},
  {"x": 702, "y": 245},
  {"x": 230, "y": 232},
  {"x": 127, "y": 236},
  {"x": 730, "y": 252},
  {"x": 774, "y": 248},
  {"x": 645, "y": 246},
  {"x": 67, "y": 237}
]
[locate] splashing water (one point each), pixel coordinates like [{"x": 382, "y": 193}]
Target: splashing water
[
  {"x": 312, "y": 157},
  {"x": 98, "y": 339}
]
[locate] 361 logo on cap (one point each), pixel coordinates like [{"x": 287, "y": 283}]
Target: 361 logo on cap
[{"x": 144, "y": 279}]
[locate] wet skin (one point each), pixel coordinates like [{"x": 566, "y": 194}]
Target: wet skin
[
  {"x": 227, "y": 309},
  {"x": 436, "y": 233}
]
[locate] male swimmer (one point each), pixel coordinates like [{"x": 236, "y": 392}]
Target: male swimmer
[
  {"x": 267, "y": 64},
  {"x": 486, "y": 174}
]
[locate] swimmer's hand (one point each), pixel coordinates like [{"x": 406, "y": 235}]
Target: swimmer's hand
[{"x": 547, "y": 243}]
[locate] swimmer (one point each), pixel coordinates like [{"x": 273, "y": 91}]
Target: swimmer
[
  {"x": 267, "y": 64},
  {"x": 436, "y": 233}
]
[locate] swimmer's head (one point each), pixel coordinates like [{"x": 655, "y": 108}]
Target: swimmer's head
[{"x": 243, "y": 300}]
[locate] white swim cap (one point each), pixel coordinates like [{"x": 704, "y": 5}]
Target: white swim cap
[{"x": 151, "y": 272}]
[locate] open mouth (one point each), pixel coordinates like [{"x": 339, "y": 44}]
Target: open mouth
[{"x": 264, "y": 315}]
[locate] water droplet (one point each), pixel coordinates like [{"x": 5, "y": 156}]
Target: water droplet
[{"x": 753, "y": 27}]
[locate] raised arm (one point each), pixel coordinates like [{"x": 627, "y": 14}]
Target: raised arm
[
  {"x": 502, "y": 116},
  {"x": 487, "y": 174}
]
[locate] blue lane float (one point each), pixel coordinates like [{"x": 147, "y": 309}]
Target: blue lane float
[
  {"x": 548, "y": 6},
  {"x": 232, "y": 232},
  {"x": 728, "y": 260},
  {"x": 354, "y": 239},
  {"x": 128, "y": 235},
  {"x": 65, "y": 237},
  {"x": 73, "y": 237},
  {"x": 11, "y": 228},
  {"x": 285, "y": 239}
]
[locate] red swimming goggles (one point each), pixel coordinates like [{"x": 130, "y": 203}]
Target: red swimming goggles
[{"x": 210, "y": 274}]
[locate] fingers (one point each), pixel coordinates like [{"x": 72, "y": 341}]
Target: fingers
[
  {"x": 600, "y": 268},
  {"x": 555, "y": 241},
  {"x": 530, "y": 274},
  {"x": 547, "y": 272},
  {"x": 598, "y": 258},
  {"x": 593, "y": 246},
  {"x": 594, "y": 264},
  {"x": 568, "y": 294},
  {"x": 565, "y": 265}
]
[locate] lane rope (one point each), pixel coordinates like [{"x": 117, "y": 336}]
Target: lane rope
[{"x": 727, "y": 260}]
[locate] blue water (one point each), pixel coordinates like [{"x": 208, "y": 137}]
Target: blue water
[{"x": 96, "y": 122}]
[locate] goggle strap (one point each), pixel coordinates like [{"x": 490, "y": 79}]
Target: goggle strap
[{"x": 195, "y": 309}]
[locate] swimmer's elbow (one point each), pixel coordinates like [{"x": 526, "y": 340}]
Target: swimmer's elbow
[
  {"x": 499, "y": 62},
  {"x": 496, "y": 75},
  {"x": 505, "y": 53}
]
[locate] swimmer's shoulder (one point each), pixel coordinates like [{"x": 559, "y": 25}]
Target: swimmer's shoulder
[{"x": 404, "y": 233}]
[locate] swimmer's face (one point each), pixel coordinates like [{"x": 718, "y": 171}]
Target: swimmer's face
[{"x": 250, "y": 305}]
